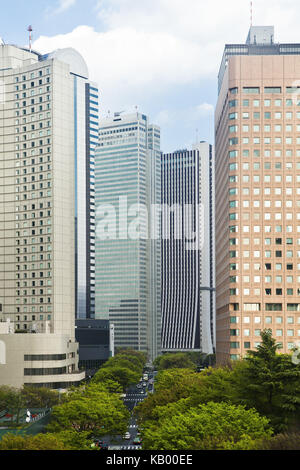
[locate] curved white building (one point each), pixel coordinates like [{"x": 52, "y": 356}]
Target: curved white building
[
  {"x": 188, "y": 268},
  {"x": 42, "y": 108}
]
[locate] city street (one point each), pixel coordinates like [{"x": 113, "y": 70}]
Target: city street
[{"x": 134, "y": 395}]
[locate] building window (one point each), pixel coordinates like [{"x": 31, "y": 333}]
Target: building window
[
  {"x": 272, "y": 89},
  {"x": 251, "y": 90}
]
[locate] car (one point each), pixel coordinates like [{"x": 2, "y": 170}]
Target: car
[
  {"x": 97, "y": 443},
  {"x": 127, "y": 435},
  {"x": 144, "y": 384},
  {"x": 100, "y": 444},
  {"x": 137, "y": 441}
]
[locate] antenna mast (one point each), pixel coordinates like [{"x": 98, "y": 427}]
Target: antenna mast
[
  {"x": 251, "y": 13},
  {"x": 30, "y": 37}
]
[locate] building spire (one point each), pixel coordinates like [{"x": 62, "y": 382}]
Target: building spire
[{"x": 30, "y": 37}]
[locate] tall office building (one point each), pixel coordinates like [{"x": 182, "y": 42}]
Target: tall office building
[
  {"x": 128, "y": 265},
  {"x": 188, "y": 264},
  {"x": 257, "y": 125},
  {"x": 37, "y": 210},
  {"x": 86, "y": 125}
]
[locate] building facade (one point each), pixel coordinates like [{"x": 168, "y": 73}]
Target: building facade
[
  {"x": 94, "y": 339},
  {"x": 86, "y": 124},
  {"x": 257, "y": 124},
  {"x": 127, "y": 258},
  {"x": 37, "y": 236},
  {"x": 188, "y": 262}
]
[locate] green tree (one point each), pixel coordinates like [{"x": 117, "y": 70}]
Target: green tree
[
  {"x": 270, "y": 382},
  {"x": 124, "y": 363},
  {"x": 12, "y": 400},
  {"x": 172, "y": 385},
  {"x": 142, "y": 356},
  {"x": 205, "y": 427},
  {"x": 39, "y": 397},
  {"x": 73, "y": 440},
  {"x": 97, "y": 412},
  {"x": 131, "y": 361},
  {"x": 38, "y": 442},
  {"x": 174, "y": 360},
  {"x": 131, "y": 353},
  {"x": 92, "y": 390},
  {"x": 285, "y": 441},
  {"x": 123, "y": 375}
]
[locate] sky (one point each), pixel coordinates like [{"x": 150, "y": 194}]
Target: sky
[{"x": 160, "y": 55}]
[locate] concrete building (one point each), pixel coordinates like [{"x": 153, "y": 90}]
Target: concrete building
[
  {"x": 128, "y": 263},
  {"x": 257, "y": 125},
  {"x": 37, "y": 214},
  {"x": 188, "y": 272}
]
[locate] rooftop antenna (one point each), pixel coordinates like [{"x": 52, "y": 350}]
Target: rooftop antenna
[
  {"x": 196, "y": 136},
  {"x": 118, "y": 113},
  {"x": 251, "y": 13},
  {"x": 30, "y": 36}
]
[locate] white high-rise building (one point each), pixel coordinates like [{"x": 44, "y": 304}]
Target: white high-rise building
[
  {"x": 40, "y": 130},
  {"x": 86, "y": 125}
]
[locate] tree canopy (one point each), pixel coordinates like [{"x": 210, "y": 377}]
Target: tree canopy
[
  {"x": 126, "y": 368},
  {"x": 174, "y": 360},
  {"x": 91, "y": 410},
  {"x": 205, "y": 427},
  {"x": 265, "y": 380}
]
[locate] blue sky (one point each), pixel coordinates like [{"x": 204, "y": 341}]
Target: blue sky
[{"x": 162, "y": 55}]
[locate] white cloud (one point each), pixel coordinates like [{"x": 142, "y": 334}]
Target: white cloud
[
  {"x": 207, "y": 21},
  {"x": 143, "y": 52},
  {"x": 63, "y": 6},
  {"x": 204, "y": 109},
  {"x": 187, "y": 116},
  {"x": 128, "y": 64}
]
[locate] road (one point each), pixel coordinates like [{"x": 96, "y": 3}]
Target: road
[{"x": 134, "y": 395}]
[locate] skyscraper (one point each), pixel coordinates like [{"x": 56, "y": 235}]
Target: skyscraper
[
  {"x": 127, "y": 264},
  {"x": 257, "y": 126},
  {"x": 86, "y": 108},
  {"x": 188, "y": 268},
  {"x": 37, "y": 213}
]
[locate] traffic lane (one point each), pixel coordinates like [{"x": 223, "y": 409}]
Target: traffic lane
[{"x": 132, "y": 399}]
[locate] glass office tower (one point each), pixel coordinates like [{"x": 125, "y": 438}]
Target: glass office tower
[{"x": 127, "y": 267}]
